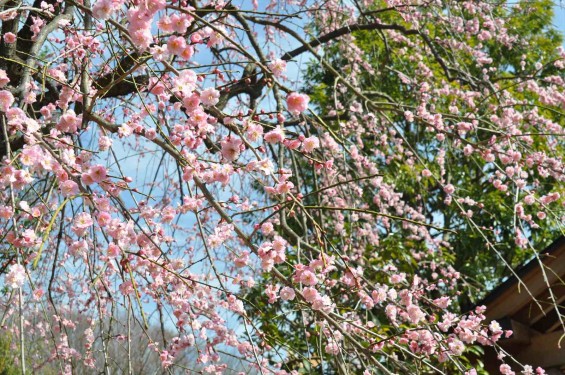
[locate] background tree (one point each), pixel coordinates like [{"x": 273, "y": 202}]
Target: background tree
[
  {"x": 6, "y": 363},
  {"x": 386, "y": 79}
]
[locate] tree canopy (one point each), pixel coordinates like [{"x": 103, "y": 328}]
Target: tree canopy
[{"x": 465, "y": 167}]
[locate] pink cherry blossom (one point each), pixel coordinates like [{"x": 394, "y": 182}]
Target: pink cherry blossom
[
  {"x": 69, "y": 122},
  {"x": 449, "y": 189},
  {"x": 97, "y": 173},
  {"x": 278, "y": 67},
  {"x": 103, "y": 9},
  {"x": 10, "y": 38},
  {"x": 4, "y": 80},
  {"x": 231, "y": 148},
  {"x": 287, "y": 294},
  {"x": 210, "y": 97},
  {"x": 176, "y": 45},
  {"x": 69, "y": 188},
  {"x": 6, "y": 100},
  {"x": 297, "y": 103},
  {"x": 310, "y": 144},
  {"x": 16, "y": 276},
  {"x": 308, "y": 278},
  {"x": 275, "y": 136},
  {"x": 83, "y": 220},
  {"x": 181, "y": 22}
]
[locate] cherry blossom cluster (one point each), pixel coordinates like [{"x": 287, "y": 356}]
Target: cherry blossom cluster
[{"x": 166, "y": 166}]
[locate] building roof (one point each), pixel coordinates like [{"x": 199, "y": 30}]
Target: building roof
[{"x": 531, "y": 304}]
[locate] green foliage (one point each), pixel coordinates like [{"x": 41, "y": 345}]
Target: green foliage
[
  {"x": 532, "y": 20},
  {"x": 7, "y": 366}
]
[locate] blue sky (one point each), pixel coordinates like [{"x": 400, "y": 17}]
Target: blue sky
[{"x": 559, "y": 18}]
